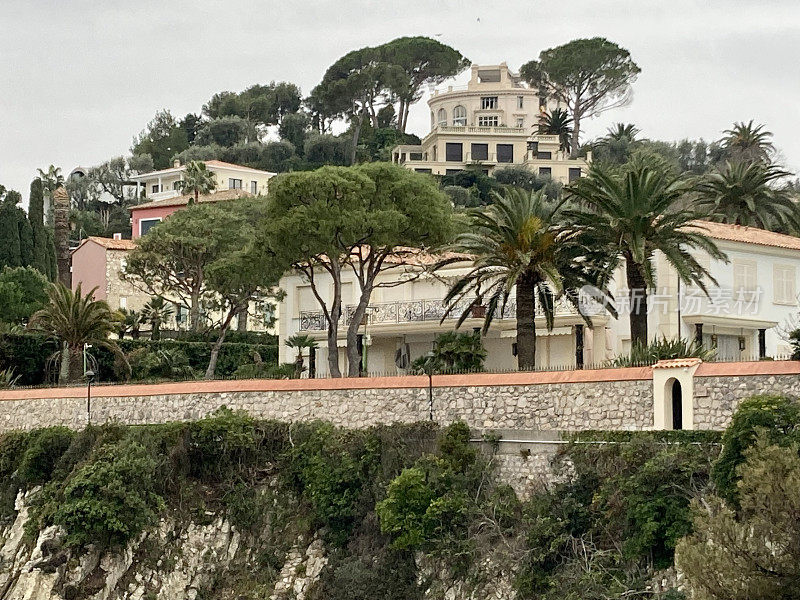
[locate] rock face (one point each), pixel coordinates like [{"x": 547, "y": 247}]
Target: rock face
[{"x": 183, "y": 562}]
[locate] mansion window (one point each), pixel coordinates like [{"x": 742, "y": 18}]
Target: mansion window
[
  {"x": 480, "y": 151},
  {"x": 488, "y": 121},
  {"x": 784, "y": 286},
  {"x": 155, "y": 189},
  {"x": 545, "y": 171},
  {"x": 254, "y": 187},
  {"x": 488, "y": 102},
  {"x": 146, "y": 225},
  {"x": 505, "y": 153},
  {"x": 459, "y": 116},
  {"x": 544, "y": 155},
  {"x": 234, "y": 184},
  {"x": 744, "y": 279},
  {"x": 453, "y": 152},
  {"x": 520, "y": 121},
  {"x": 424, "y": 170},
  {"x": 574, "y": 173},
  {"x": 441, "y": 117},
  {"x": 520, "y": 102}
]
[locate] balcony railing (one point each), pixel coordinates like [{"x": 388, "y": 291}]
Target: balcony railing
[
  {"x": 422, "y": 311},
  {"x": 166, "y": 194},
  {"x": 494, "y": 130}
]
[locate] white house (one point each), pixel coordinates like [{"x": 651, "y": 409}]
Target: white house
[{"x": 746, "y": 315}]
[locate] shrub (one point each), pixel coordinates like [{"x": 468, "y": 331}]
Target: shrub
[
  {"x": 453, "y": 351},
  {"x": 161, "y": 363},
  {"x": 265, "y": 371},
  {"x": 110, "y": 499},
  {"x": 44, "y": 449},
  {"x": 662, "y": 349},
  {"x": 777, "y": 416},
  {"x": 220, "y": 444}
]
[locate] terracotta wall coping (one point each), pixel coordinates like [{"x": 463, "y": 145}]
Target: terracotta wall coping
[
  {"x": 761, "y": 367},
  {"x": 266, "y": 385}
]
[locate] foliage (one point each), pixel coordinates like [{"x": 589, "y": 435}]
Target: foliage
[
  {"x": 262, "y": 370},
  {"x": 522, "y": 177},
  {"x": 43, "y": 451},
  {"x": 326, "y": 150},
  {"x": 751, "y": 552},
  {"x": 557, "y": 122},
  {"x": 519, "y": 245},
  {"x": 747, "y": 142},
  {"x": 480, "y": 186},
  {"x": 745, "y": 193},
  {"x": 662, "y": 349},
  {"x": 385, "y": 573},
  {"x": 161, "y": 139},
  {"x": 156, "y": 312},
  {"x": 160, "y": 363},
  {"x": 225, "y": 132},
  {"x": 8, "y": 378},
  {"x": 777, "y": 418},
  {"x": 629, "y": 215},
  {"x": 453, "y": 351},
  {"x": 589, "y": 76},
  {"x": 259, "y": 104},
  {"x": 111, "y": 498},
  {"x": 23, "y": 291},
  {"x": 197, "y": 180},
  {"x": 75, "y": 320}
]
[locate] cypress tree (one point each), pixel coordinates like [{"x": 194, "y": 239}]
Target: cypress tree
[
  {"x": 9, "y": 236},
  {"x": 43, "y": 248},
  {"x": 25, "y": 239}
]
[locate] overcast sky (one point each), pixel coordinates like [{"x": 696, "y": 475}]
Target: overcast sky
[{"x": 80, "y": 78}]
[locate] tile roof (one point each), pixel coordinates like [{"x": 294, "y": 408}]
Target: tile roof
[
  {"x": 210, "y": 163},
  {"x": 748, "y": 235},
  {"x": 677, "y": 363},
  {"x": 109, "y": 243},
  {"x": 184, "y": 200}
]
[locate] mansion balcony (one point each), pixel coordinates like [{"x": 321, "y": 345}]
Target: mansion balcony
[
  {"x": 427, "y": 314},
  {"x": 165, "y": 195}
]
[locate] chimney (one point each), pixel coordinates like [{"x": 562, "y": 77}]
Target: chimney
[
  {"x": 176, "y": 163},
  {"x": 117, "y": 236}
]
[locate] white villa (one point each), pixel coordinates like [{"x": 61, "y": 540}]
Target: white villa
[
  {"x": 489, "y": 123},
  {"x": 745, "y": 316}
]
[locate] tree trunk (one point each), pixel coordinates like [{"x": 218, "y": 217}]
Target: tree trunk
[
  {"x": 63, "y": 364},
  {"x": 637, "y": 295},
  {"x": 223, "y": 331},
  {"x": 60, "y": 201},
  {"x": 194, "y": 311},
  {"x": 353, "y": 355},
  {"x": 75, "y": 363},
  {"x": 576, "y": 131},
  {"x": 241, "y": 322},
  {"x": 333, "y": 326},
  {"x": 356, "y": 134},
  {"x": 404, "y": 124},
  {"x": 526, "y": 324}
]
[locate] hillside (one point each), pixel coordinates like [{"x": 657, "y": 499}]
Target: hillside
[{"x": 232, "y": 508}]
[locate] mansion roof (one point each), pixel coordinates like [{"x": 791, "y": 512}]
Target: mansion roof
[
  {"x": 109, "y": 243},
  {"x": 748, "y": 235}
]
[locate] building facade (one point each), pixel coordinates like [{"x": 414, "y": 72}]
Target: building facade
[
  {"x": 489, "y": 123},
  {"x": 746, "y": 315},
  {"x": 161, "y": 189},
  {"x": 96, "y": 263}
]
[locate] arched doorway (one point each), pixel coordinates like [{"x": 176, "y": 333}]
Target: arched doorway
[{"x": 677, "y": 405}]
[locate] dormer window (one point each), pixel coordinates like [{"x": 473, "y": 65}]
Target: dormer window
[
  {"x": 459, "y": 116},
  {"x": 441, "y": 117},
  {"x": 488, "y": 102}
]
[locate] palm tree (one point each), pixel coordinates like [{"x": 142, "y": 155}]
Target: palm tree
[
  {"x": 621, "y": 131},
  {"x": 748, "y": 142},
  {"x": 618, "y": 143},
  {"x": 197, "y": 179},
  {"x": 300, "y": 341},
  {"x": 129, "y": 321},
  {"x": 744, "y": 193},
  {"x": 633, "y": 213},
  {"x": 557, "y": 122},
  {"x": 518, "y": 245},
  {"x": 52, "y": 179},
  {"x": 157, "y": 311},
  {"x": 75, "y": 320}
]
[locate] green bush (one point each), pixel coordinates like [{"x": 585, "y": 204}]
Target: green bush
[
  {"x": 663, "y": 349},
  {"x": 265, "y": 371},
  {"x": 453, "y": 352},
  {"x": 44, "y": 449},
  {"x": 161, "y": 363},
  {"x": 221, "y": 443},
  {"x": 777, "y": 416},
  {"x": 27, "y": 354},
  {"x": 111, "y": 498}
]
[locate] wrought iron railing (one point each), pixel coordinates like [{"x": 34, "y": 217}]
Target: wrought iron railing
[{"x": 432, "y": 310}]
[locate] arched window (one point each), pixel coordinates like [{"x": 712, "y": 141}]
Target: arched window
[
  {"x": 677, "y": 405},
  {"x": 441, "y": 117},
  {"x": 459, "y": 115}
]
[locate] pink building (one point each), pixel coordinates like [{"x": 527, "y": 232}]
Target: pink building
[{"x": 96, "y": 263}]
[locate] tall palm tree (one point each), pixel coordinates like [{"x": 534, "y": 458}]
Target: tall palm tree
[
  {"x": 75, "y": 320},
  {"x": 621, "y": 131},
  {"x": 748, "y": 142},
  {"x": 197, "y": 179},
  {"x": 157, "y": 311},
  {"x": 634, "y": 213},
  {"x": 52, "y": 179},
  {"x": 518, "y": 245},
  {"x": 300, "y": 342},
  {"x": 744, "y": 193},
  {"x": 557, "y": 122}
]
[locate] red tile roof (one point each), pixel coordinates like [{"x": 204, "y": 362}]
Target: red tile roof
[
  {"x": 748, "y": 235},
  {"x": 109, "y": 243},
  {"x": 184, "y": 200}
]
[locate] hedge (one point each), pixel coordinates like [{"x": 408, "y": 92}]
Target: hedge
[{"x": 27, "y": 354}]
